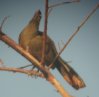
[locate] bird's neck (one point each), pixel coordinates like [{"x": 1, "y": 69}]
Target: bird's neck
[{"x": 33, "y": 28}]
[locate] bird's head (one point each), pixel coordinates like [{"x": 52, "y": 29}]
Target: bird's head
[{"x": 36, "y": 18}]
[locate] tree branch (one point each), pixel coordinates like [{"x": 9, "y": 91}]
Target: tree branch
[
  {"x": 34, "y": 61},
  {"x": 28, "y": 72},
  {"x": 62, "y": 3},
  {"x": 3, "y": 22},
  {"x": 77, "y": 30},
  {"x": 45, "y": 31}
]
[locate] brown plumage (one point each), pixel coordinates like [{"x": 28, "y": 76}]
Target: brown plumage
[{"x": 31, "y": 39}]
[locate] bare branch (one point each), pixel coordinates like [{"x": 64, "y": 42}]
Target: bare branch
[
  {"x": 50, "y": 11},
  {"x": 82, "y": 23},
  {"x": 59, "y": 47},
  {"x": 72, "y": 36},
  {"x": 34, "y": 61},
  {"x": 24, "y": 71},
  {"x": 3, "y": 22},
  {"x": 45, "y": 32},
  {"x": 25, "y": 66},
  {"x": 62, "y": 3},
  {"x": 20, "y": 50},
  {"x": 28, "y": 72},
  {"x": 59, "y": 4}
]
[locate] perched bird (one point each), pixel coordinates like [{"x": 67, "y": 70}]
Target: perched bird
[
  {"x": 30, "y": 31},
  {"x": 31, "y": 39}
]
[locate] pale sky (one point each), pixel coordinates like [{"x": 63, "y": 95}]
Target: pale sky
[{"x": 82, "y": 53}]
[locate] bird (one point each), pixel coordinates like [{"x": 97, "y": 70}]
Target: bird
[
  {"x": 30, "y": 31},
  {"x": 31, "y": 40}
]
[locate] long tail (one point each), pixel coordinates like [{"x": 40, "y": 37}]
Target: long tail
[{"x": 69, "y": 74}]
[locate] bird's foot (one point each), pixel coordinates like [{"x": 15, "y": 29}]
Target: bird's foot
[{"x": 36, "y": 72}]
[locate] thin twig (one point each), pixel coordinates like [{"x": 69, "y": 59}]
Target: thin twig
[
  {"x": 3, "y": 22},
  {"x": 59, "y": 47},
  {"x": 72, "y": 36},
  {"x": 1, "y": 62},
  {"x": 45, "y": 32},
  {"x": 62, "y": 3},
  {"x": 26, "y": 66},
  {"x": 25, "y": 71},
  {"x": 82, "y": 23},
  {"x": 50, "y": 11},
  {"x": 34, "y": 61}
]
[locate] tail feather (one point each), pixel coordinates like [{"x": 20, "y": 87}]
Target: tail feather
[{"x": 69, "y": 74}]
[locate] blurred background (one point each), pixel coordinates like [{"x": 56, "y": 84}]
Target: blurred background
[{"x": 82, "y": 53}]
